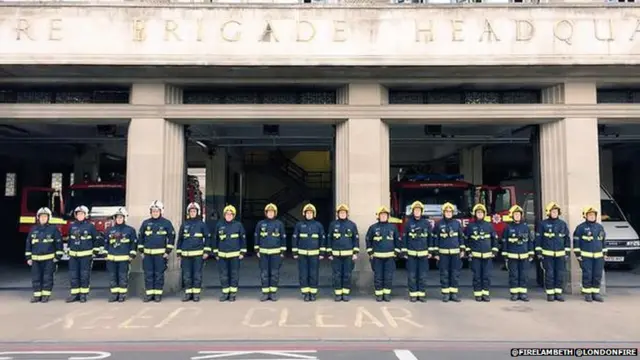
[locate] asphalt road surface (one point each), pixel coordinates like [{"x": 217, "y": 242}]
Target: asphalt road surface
[{"x": 319, "y": 350}]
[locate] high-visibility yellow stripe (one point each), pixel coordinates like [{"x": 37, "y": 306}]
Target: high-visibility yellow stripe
[{"x": 32, "y": 220}]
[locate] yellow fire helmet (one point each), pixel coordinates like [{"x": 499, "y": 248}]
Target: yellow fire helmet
[
  {"x": 342, "y": 207},
  {"x": 382, "y": 210},
  {"x": 417, "y": 205},
  {"x": 515, "y": 209},
  {"x": 550, "y": 206},
  {"x": 229, "y": 208},
  {"x": 447, "y": 206},
  {"x": 271, "y": 207},
  {"x": 480, "y": 207},
  {"x": 309, "y": 207},
  {"x": 589, "y": 209}
]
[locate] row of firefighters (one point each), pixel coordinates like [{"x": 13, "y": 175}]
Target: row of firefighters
[{"x": 446, "y": 241}]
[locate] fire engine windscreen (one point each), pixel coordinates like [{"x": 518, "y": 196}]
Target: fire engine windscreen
[
  {"x": 102, "y": 202},
  {"x": 610, "y": 211},
  {"x": 434, "y": 198}
]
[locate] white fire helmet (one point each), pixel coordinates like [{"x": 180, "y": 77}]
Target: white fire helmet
[
  {"x": 121, "y": 211},
  {"x": 81, "y": 208},
  {"x": 193, "y": 206},
  {"x": 44, "y": 211},
  {"x": 157, "y": 204}
]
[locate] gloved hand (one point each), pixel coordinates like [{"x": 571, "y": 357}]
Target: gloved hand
[
  {"x": 579, "y": 258},
  {"x": 530, "y": 258}
]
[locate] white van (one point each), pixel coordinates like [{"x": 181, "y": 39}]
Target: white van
[{"x": 623, "y": 243}]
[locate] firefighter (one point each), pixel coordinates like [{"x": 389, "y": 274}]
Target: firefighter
[
  {"x": 84, "y": 245},
  {"x": 308, "y": 248},
  {"x": 517, "y": 250},
  {"x": 448, "y": 244},
  {"x": 589, "y": 247},
  {"x": 383, "y": 246},
  {"x": 156, "y": 241},
  {"x": 553, "y": 245},
  {"x": 271, "y": 243},
  {"x": 229, "y": 246},
  {"x": 193, "y": 250},
  {"x": 416, "y": 242},
  {"x": 120, "y": 246},
  {"x": 342, "y": 247},
  {"x": 482, "y": 247},
  {"x": 43, "y": 250}
]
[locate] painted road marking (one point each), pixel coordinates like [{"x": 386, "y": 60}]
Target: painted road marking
[
  {"x": 72, "y": 355},
  {"x": 404, "y": 355},
  {"x": 282, "y": 355}
]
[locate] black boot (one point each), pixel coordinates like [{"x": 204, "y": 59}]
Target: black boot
[
  {"x": 113, "y": 298},
  {"x": 479, "y": 298},
  {"x": 346, "y": 298},
  {"x": 379, "y": 298},
  {"x": 455, "y": 298},
  {"x": 486, "y": 298},
  {"x": 559, "y": 297},
  {"x": 187, "y": 297},
  {"x": 232, "y": 297},
  {"x": 264, "y": 297},
  {"x": 312, "y": 297},
  {"x": 225, "y": 297},
  {"x": 147, "y": 298},
  {"x": 83, "y": 298},
  {"x": 413, "y": 298},
  {"x": 305, "y": 297},
  {"x": 273, "y": 296},
  {"x": 422, "y": 299},
  {"x": 598, "y": 298},
  {"x": 196, "y": 298},
  {"x": 445, "y": 297},
  {"x": 514, "y": 297},
  {"x": 550, "y": 298},
  {"x": 73, "y": 298},
  {"x": 157, "y": 298},
  {"x": 524, "y": 297},
  {"x": 337, "y": 298},
  {"x": 588, "y": 298},
  {"x": 122, "y": 298},
  {"x": 386, "y": 297},
  {"x": 45, "y": 299},
  {"x": 35, "y": 299}
]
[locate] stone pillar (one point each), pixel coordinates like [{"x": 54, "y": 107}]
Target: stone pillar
[
  {"x": 216, "y": 185},
  {"x": 362, "y": 168},
  {"x": 87, "y": 163},
  {"x": 606, "y": 169},
  {"x": 471, "y": 164},
  {"x": 569, "y": 162},
  {"x": 156, "y": 170}
]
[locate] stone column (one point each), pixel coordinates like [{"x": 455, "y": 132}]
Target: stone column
[
  {"x": 471, "y": 164},
  {"x": 156, "y": 170},
  {"x": 569, "y": 162},
  {"x": 606, "y": 169},
  {"x": 216, "y": 184},
  {"x": 362, "y": 168}
]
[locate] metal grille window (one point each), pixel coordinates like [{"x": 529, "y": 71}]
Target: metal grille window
[
  {"x": 241, "y": 97},
  {"x": 618, "y": 96},
  {"x": 521, "y": 97},
  {"x": 284, "y": 97},
  {"x": 21, "y": 95},
  {"x": 10, "y": 184},
  {"x": 406, "y": 97},
  {"x": 444, "y": 97},
  {"x": 481, "y": 97},
  {"x": 318, "y": 97},
  {"x": 74, "y": 97},
  {"x": 34, "y": 97},
  {"x": 260, "y": 96}
]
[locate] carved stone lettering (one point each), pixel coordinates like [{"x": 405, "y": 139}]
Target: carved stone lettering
[
  {"x": 525, "y": 30},
  {"x": 170, "y": 28},
  {"x": 139, "y": 30},
  {"x": 339, "y": 31},
  {"x": 488, "y": 33},
  {"x": 22, "y": 29},
  {"x": 305, "y": 31},
  {"x": 55, "y": 29},
  {"x": 636, "y": 30},
  {"x": 563, "y": 31},
  {"x": 268, "y": 35},
  {"x": 230, "y": 31},
  {"x": 424, "y": 33},
  {"x": 456, "y": 30}
]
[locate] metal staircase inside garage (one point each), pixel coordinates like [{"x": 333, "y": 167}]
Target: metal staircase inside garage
[{"x": 299, "y": 186}]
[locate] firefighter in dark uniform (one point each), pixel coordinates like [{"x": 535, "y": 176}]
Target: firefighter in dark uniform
[
  {"x": 416, "y": 242},
  {"x": 343, "y": 246},
  {"x": 308, "y": 247},
  {"x": 229, "y": 246},
  {"x": 193, "y": 239},
  {"x": 43, "y": 250},
  {"x": 589, "y": 247},
  {"x": 448, "y": 244},
  {"x": 517, "y": 249},
  {"x": 155, "y": 242},
  {"x": 120, "y": 245},
  {"x": 383, "y": 246},
  {"x": 85, "y": 243},
  {"x": 482, "y": 247},
  {"x": 271, "y": 243},
  {"x": 553, "y": 245}
]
